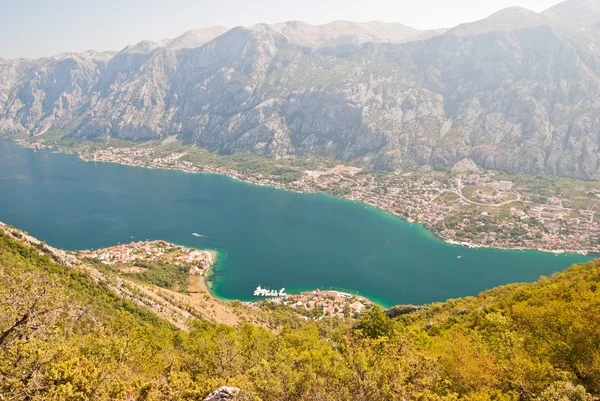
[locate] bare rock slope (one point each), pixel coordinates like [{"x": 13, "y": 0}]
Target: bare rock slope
[{"x": 518, "y": 91}]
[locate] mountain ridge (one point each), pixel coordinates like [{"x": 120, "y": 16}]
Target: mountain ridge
[{"x": 521, "y": 98}]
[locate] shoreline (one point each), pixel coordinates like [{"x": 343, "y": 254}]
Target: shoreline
[
  {"x": 206, "y": 272},
  {"x": 239, "y": 177},
  {"x": 470, "y": 245},
  {"x": 427, "y": 226}
]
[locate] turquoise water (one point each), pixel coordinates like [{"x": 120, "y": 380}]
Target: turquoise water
[{"x": 267, "y": 236}]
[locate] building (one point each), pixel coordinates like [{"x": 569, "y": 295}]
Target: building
[{"x": 505, "y": 185}]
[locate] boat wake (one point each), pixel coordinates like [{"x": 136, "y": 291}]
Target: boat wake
[{"x": 224, "y": 251}]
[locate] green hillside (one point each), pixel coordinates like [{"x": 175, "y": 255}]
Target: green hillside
[{"x": 65, "y": 337}]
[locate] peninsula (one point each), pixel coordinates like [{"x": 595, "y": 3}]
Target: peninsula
[{"x": 185, "y": 270}]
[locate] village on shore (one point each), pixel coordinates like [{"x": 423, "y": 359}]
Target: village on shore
[
  {"x": 313, "y": 305},
  {"x": 199, "y": 262},
  {"x": 469, "y": 207},
  {"x": 318, "y": 304}
]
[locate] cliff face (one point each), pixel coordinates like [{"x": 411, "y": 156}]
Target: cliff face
[{"x": 518, "y": 91}]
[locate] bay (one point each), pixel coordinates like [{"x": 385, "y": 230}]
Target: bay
[{"x": 264, "y": 235}]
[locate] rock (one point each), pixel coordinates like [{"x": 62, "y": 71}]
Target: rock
[
  {"x": 466, "y": 166},
  {"x": 400, "y": 310},
  {"x": 369, "y": 93},
  {"x": 223, "y": 393}
]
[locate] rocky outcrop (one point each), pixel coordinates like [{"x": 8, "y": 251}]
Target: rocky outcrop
[
  {"x": 518, "y": 91},
  {"x": 223, "y": 393},
  {"x": 400, "y": 310},
  {"x": 466, "y": 166}
]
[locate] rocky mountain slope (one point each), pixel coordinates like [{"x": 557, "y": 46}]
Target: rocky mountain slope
[
  {"x": 575, "y": 13},
  {"x": 517, "y": 91}
]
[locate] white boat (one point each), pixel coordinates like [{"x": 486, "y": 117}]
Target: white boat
[
  {"x": 196, "y": 235},
  {"x": 265, "y": 292}
]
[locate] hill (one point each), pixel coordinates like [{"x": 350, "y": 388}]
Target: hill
[{"x": 67, "y": 334}]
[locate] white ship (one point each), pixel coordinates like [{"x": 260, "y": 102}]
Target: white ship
[{"x": 265, "y": 292}]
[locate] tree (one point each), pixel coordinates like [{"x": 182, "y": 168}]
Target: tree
[{"x": 375, "y": 324}]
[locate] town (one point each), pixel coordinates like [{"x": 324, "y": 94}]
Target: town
[
  {"x": 471, "y": 209},
  {"x": 314, "y": 305},
  {"x": 318, "y": 304},
  {"x": 198, "y": 261},
  {"x": 464, "y": 206}
]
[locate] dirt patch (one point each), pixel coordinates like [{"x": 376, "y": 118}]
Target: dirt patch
[
  {"x": 132, "y": 269},
  {"x": 194, "y": 284}
]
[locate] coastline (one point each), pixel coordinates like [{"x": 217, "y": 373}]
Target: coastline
[
  {"x": 236, "y": 176},
  {"x": 226, "y": 284},
  {"x": 426, "y": 225},
  {"x": 205, "y": 277},
  {"x": 471, "y": 245},
  {"x": 152, "y": 251}
]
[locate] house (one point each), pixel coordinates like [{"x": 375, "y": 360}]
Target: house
[
  {"x": 505, "y": 185},
  {"x": 554, "y": 201},
  {"x": 357, "y": 307}
]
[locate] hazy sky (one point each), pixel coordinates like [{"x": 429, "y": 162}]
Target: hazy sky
[{"x": 36, "y": 28}]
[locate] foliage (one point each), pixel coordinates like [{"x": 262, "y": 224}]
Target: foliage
[
  {"x": 165, "y": 275},
  {"x": 65, "y": 337}
]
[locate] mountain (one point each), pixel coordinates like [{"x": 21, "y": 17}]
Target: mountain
[
  {"x": 345, "y": 32},
  {"x": 517, "y": 91},
  {"x": 195, "y": 38},
  {"x": 72, "y": 330},
  {"x": 509, "y": 19},
  {"x": 575, "y": 13}
]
